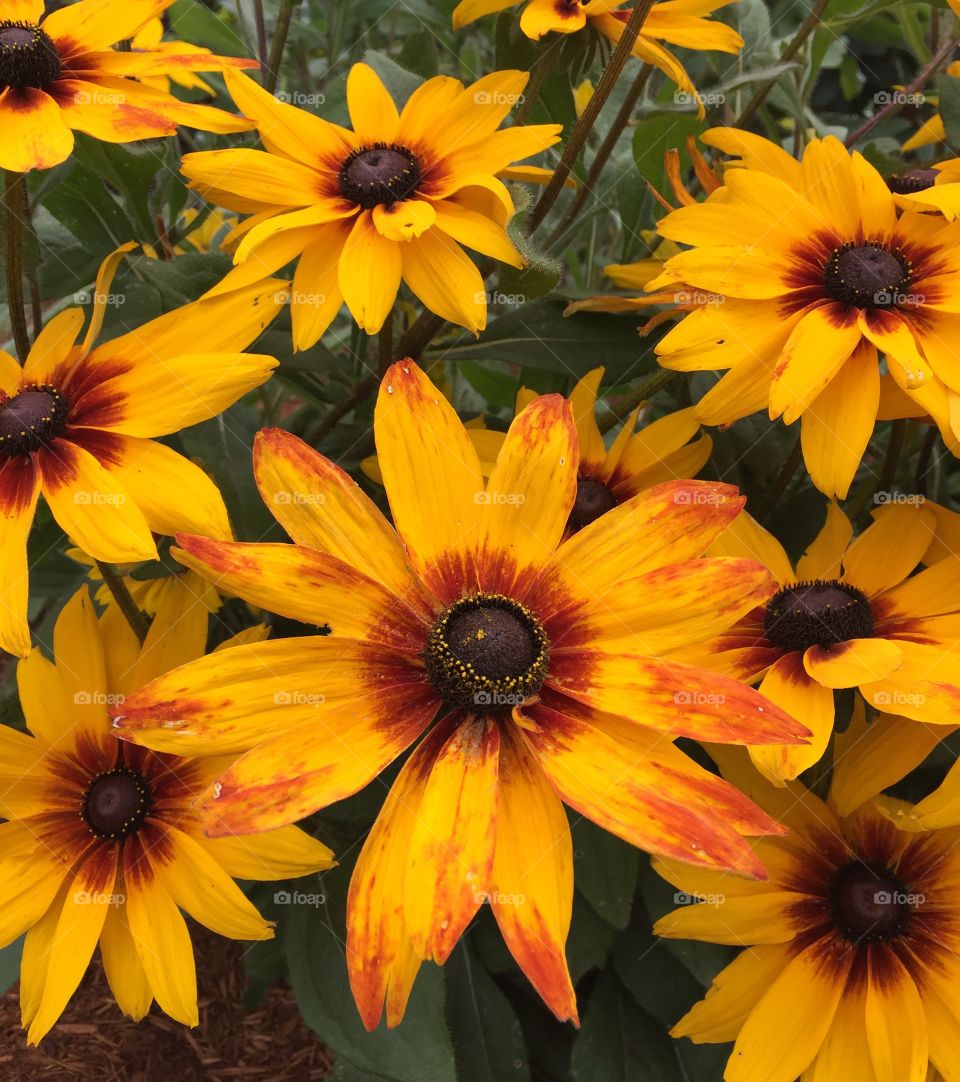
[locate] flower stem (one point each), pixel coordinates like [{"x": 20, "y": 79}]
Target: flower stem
[
  {"x": 898, "y": 101},
  {"x": 781, "y": 483},
  {"x": 810, "y": 23},
  {"x": 539, "y": 74},
  {"x": 261, "y": 26},
  {"x": 620, "y": 121},
  {"x": 284, "y": 18},
  {"x": 13, "y": 198},
  {"x": 583, "y": 127},
  {"x": 139, "y": 624},
  {"x": 646, "y": 390}
]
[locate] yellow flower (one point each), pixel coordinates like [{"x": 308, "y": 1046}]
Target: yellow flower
[
  {"x": 60, "y": 73},
  {"x": 103, "y": 842},
  {"x": 529, "y": 666},
  {"x": 77, "y": 424},
  {"x": 393, "y": 200},
  {"x": 684, "y": 23},
  {"x": 852, "y": 615},
  {"x": 804, "y": 274},
  {"x": 850, "y": 972}
]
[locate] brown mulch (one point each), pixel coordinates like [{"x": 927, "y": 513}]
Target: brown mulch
[{"x": 231, "y": 1044}]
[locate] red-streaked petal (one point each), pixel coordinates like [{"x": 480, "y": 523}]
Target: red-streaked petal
[
  {"x": 450, "y": 851},
  {"x": 648, "y": 805},
  {"x": 308, "y": 586},
  {"x": 532, "y": 895},
  {"x": 19, "y": 491}
]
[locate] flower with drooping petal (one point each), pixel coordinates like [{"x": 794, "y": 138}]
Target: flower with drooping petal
[
  {"x": 61, "y": 73},
  {"x": 852, "y": 615},
  {"x": 103, "y": 841},
  {"x": 685, "y": 23},
  {"x": 637, "y": 459},
  {"x": 394, "y": 200},
  {"x": 77, "y": 423},
  {"x": 530, "y": 667},
  {"x": 851, "y": 966}
]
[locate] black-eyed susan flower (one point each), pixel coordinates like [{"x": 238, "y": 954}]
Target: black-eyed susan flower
[
  {"x": 395, "y": 199},
  {"x": 528, "y": 665},
  {"x": 77, "y": 423},
  {"x": 684, "y": 23},
  {"x": 852, "y": 615},
  {"x": 103, "y": 842},
  {"x": 60, "y": 73},
  {"x": 850, "y": 967},
  {"x": 667, "y": 449},
  {"x": 637, "y": 459},
  {"x": 806, "y": 274}
]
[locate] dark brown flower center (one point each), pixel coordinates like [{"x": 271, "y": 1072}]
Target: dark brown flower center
[
  {"x": 867, "y": 275},
  {"x": 487, "y": 652},
  {"x": 379, "y": 175},
  {"x": 913, "y": 180},
  {"x": 31, "y": 420},
  {"x": 869, "y": 903},
  {"x": 28, "y": 56},
  {"x": 817, "y": 614},
  {"x": 593, "y": 500},
  {"x": 116, "y": 803}
]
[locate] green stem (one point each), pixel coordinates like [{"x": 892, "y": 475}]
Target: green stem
[
  {"x": 646, "y": 390},
  {"x": 620, "y": 121},
  {"x": 137, "y": 620},
  {"x": 538, "y": 76},
  {"x": 13, "y": 199},
  {"x": 808, "y": 26},
  {"x": 898, "y": 101},
  {"x": 284, "y": 19},
  {"x": 583, "y": 127},
  {"x": 888, "y": 471},
  {"x": 781, "y": 483}
]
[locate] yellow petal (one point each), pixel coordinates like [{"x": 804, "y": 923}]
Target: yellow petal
[{"x": 370, "y": 267}]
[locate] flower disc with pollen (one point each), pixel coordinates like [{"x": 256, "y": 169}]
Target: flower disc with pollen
[
  {"x": 867, "y": 275},
  {"x": 817, "y": 614},
  {"x": 913, "y": 180},
  {"x": 868, "y": 903},
  {"x": 487, "y": 651},
  {"x": 116, "y": 803},
  {"x": 28, "y": 57},
  {"x": 380, "y": 175},
  {"x": 31, "y": 419}
]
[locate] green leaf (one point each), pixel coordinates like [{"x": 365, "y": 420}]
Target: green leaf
[
  {"x": 487, "y": 1038},
  {"x": 418, "y": 1050},
  {"x": 197, "y": 24},
  {"x": 538, "y": 335},
  {"x": 10, "y": 964},
  {"x": 619, "y": 1042},
  {"x": 605, "y": 870},
  {"x": 398, "y": 81},
  {"x": 948, "y": 89}
]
